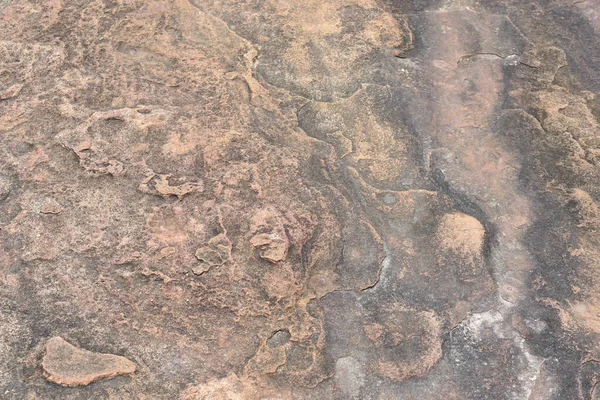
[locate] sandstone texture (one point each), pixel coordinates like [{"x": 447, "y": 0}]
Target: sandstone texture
[
  {"x": 67, "y": 365},
  {"x": 299, "y": 199}
]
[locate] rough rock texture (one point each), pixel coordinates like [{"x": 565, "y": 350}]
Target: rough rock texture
[
  {"x": 67, "y": 365},
  {"x": 316, "y": 199}
]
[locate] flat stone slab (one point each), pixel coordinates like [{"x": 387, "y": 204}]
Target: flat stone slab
[{"x": 68, "y": 365}]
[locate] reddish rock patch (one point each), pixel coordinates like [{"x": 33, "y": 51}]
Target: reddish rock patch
[{"x": 68, "y": 365}]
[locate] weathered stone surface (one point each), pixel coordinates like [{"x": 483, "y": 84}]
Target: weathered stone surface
[
  {"x": 51, "y": 206},
  {"x": 233, "y": 388},
  {"x": 68, "y": 365},
  {"x": 340, "y": 199},
  {"x": 5, "y": 187}
]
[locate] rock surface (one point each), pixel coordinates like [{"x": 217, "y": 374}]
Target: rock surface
[
  {"x": 68, "y": 365},
  {"x": 317, "y": 199}
]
